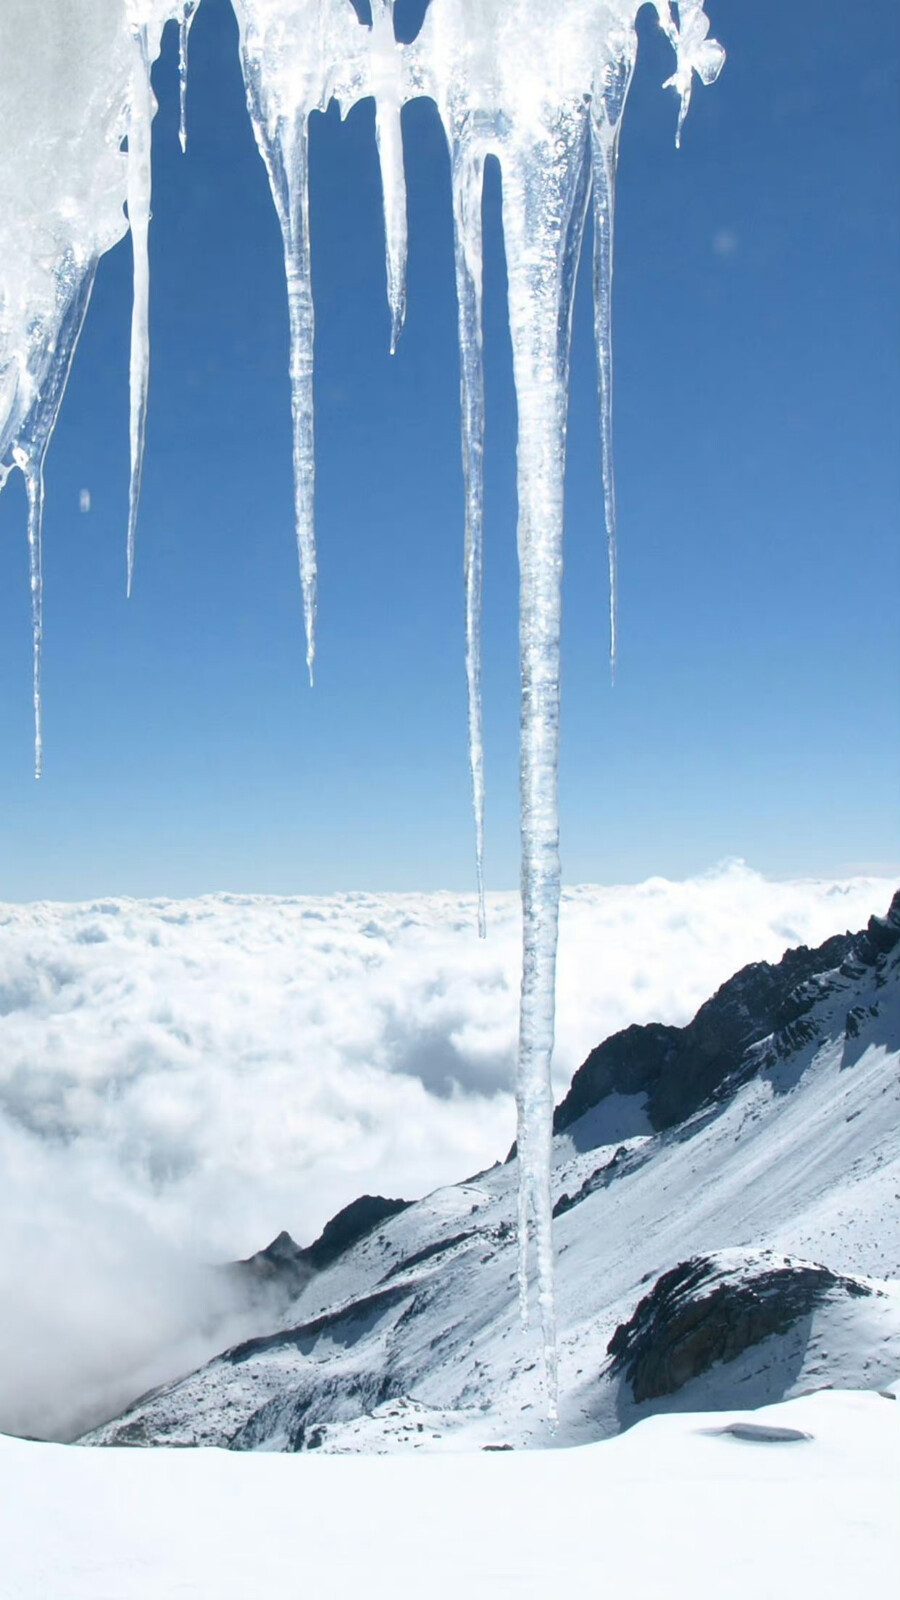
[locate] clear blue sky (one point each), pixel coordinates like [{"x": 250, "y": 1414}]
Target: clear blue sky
[{"x": 757, "y": 343}]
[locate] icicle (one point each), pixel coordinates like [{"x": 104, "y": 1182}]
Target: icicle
[
  {"x": 294, "y": 217},
  {"x": 608, "y": 105},
  {"x": 533, "y": 89},
  {"x": 296, "y": 58},
  {"x": 545, "y": 192},
  {"x": 184, "y": 29},
  {"x": 385, "y": 72},
  {"x": 694, "y": 51},
  {"x": 287, "y": 161},
  {"x": 140, "y": 116},
  {"x": 28, "y": 455},
  {"x": 32, "y": 469},
  {"x": 467, "y": 179}
]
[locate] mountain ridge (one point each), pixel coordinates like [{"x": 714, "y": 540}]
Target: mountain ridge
[{"x": 680, "y": 1068}]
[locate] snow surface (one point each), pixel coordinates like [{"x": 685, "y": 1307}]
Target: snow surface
[{"x": 676, "y": 1509}]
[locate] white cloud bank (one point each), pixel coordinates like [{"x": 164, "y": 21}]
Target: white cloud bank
[{"x": 179, "y": 1080}]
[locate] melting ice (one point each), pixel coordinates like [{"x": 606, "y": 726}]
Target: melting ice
[{"x": 539, "y": 84}]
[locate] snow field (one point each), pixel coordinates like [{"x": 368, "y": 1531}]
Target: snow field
[{"x": 675, "y": 1509}]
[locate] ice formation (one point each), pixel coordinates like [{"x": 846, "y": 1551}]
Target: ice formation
[{"x": 539, "y": 86}]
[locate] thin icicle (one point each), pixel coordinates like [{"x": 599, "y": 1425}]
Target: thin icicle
[
  {"x": 606, "y": 123},
  {"x": 385, "y": 69},
  {"x": 28, "y": 455},
  {"x": 296, "y": 57},
  {"x": 468, "y": 179},
  {"x": 287, "y": 160},
  {"x": 184, "y": 30},
  {"x": 34, "y": 487},
  {"x": 32, "y": 468},
  {"x": 294, "y": 218},
  {"x": 140, "y": 118}
]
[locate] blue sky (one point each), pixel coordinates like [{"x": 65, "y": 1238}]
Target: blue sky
[{"x": 757, "y": 360}]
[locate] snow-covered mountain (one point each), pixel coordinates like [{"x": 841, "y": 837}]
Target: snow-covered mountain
[{"x": 727, "y": 1234}]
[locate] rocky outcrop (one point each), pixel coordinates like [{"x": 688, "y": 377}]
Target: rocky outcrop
[
  {"x": 288, "y": 1266},
  {"x": 713, "y": 1308},
  {"x": 679, "y": 1069}
]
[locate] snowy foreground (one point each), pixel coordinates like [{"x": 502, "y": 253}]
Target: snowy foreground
[{"x": 678, "y": 1508}]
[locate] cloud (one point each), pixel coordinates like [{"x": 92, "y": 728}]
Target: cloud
[{"x": 181, "y": 1080}]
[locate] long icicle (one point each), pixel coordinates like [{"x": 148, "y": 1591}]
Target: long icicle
[
  {"x": 294, "y": 218},
  {"x": 32, "y": 467},
  {"x": 545, "y": 199},
  {"x": 606, "y": 122},
  {"x": 467, "y": 180},
  {"x": 285, "y": 151},
  {"x": 29, "y": 454},
  {"x": 386, "y": 85},
  {"x": 140, "y": 117}
]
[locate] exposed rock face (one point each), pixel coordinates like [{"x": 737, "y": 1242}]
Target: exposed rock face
[
  {"x": 621, "y": 1162},
  {"x": 679, "y": 1069},
  {"x": 713, "y": 1308},
  {"x": 282, "y": 1267},
  {"x": 299, "y": 1422},
  {"x": 288, "y": 1265},
  {"x": 351, "y": 1225}
]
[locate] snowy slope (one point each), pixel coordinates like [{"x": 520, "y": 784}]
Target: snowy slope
[
  {"x": 678, "y": 1508},
  {"x": 411, "y": 1339}
]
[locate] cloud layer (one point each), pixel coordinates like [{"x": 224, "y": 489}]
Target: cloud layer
[{"x": 181, "y": 1080}]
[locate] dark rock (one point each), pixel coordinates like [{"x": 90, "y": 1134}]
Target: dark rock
[
  {"x": 351, "y": 1225},
  {"x": 763, "y": 1433},
  {"x": 437, "y": 1248},
  {"x": 282, "y": 1263},
  {"x": 856, "y": 1016},
  {"x": 299, "y": 1420},
  {"x": 708, "y": 1309},
  {"x": 343, "y": 1326},
  {"x": 289, "y": 1265},
  {"x": 623, "y": 1161}
]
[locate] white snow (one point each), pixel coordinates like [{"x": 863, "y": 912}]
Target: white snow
[{"x": 676, "y": 1509}]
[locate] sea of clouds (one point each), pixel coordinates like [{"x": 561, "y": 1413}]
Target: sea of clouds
[{"x": 179, "y": 1080}]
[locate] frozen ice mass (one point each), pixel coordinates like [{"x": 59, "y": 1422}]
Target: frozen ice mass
[{"x": 542, "y": 88}]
